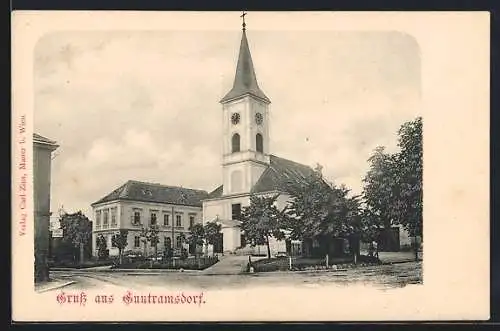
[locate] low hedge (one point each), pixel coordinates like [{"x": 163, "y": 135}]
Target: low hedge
[
  {"x": 85, "y": 264},
  {"x": 282, "y": 264},
  {"x": 187, "y": 264}
]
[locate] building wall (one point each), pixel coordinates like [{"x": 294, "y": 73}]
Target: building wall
[
  {"x": 41, "y": 197},
  {"x": 242, "y": 170},
  {"x": 222, "y": 209},
  {"x": 125, "y": 211}
]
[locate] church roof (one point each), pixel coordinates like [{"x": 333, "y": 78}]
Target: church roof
[
  {"x": 151, "y": 192},
  {"x": 216, "y": 193},
  {"x": 276, "y": 177},
  {"x": 245, "y": 80},
  {"x": 280, "y": 173}
]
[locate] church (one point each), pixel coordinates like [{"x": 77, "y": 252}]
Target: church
[{"x": 248, "y": 166}]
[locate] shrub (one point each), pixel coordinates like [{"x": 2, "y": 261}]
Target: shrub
[{"x": 187, "y": 264}]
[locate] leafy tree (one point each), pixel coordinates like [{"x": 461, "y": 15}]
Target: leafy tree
[
  {"x": 262, "y": 220},
  {"x": 180, "y": 241},
  {"x": 77, "y": 229},
  {"x": 144, "y": 239},
  {"x": 308, "y": 206},
  {"x": 393, "y": 186},
  {"x": 318, "y": 209},
  {"x": 380, "y": 189},
  {"x": 410, "y": 206},
  {"x": 212, "y": 232},
  {"x": 120, "y": 241},
  {"x": 102, "y": 247},
  {"x": 196, "y": 235},
  {"x": 152, "y": 235}
]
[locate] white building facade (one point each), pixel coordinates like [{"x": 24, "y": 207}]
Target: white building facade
[
  {"x": 248, "y": 167},
  {"x": 137, "y": 205}
]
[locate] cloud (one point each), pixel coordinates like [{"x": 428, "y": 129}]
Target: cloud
[{"x": 144, "y": 105}]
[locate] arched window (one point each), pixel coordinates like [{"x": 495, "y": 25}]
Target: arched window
[
  {"x": 259, "y": 143},
  {"x": 235, "y": 142}
]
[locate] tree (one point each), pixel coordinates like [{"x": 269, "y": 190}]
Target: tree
[
  {"x": 393, "y": 186},
  {"x": 380, "y": 189},
  {"x": 308, "y": 206},
  {"x": 152, "y": 235},
  {"x": 319, "y": 209},
  {"x": 77, "y": 229},
  {"x": 120, "y": 241},
  {"x": 410, "y": 159},
  {"x": 144, "y": 239},
  {"x": 262, "y": 220},
  {"x": 102, "y": 247},
  {"x": 196, "y": 235},
  {"x": 181, "y": 240},
  {"x": 212, "y": 232}
]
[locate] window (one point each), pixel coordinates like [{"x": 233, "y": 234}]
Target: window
[
  {"x": 167, "y": 242},
  {"x": 178, "y": 243},
  {"x": 137, "y": 241},
  {"x": 113, "y": 238},
  {"x": 98, "y": 219},
  {"x": 166, "y": 219},
  {"x": 191, "y": 221},
  {"x": 259, "y": 143},
  {"x": 113, "y": 216},
  {"x": 235, "y": 143},
  {"x": 178, "y": 220},
  {"x": 105, "y": 221},
  {"x": 153, "y": 218},
  {"x": 236, "y": 211},
  {"x": 137, "y": 217}
]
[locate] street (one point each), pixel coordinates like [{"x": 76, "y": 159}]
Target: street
[{"x": 395, "y": 275}]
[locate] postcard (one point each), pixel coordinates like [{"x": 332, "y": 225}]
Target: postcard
[{"x": 250, "y": 166}]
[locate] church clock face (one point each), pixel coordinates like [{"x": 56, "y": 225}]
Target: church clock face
[
  {"x": 258, "y": 118},
  {"x": 235, "y": 118}
]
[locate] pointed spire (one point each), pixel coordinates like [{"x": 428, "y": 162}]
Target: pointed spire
[{"x": 245, "y": 80}]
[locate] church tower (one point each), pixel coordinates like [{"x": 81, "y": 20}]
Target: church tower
[{"x": 246, "y": 127}]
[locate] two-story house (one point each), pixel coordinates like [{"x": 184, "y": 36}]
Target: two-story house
[{"x": 136, "y": 205}]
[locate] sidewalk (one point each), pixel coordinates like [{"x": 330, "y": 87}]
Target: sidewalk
[
  {"x": 52, "y": 284},
  {"x": 396, "y": 257},
  {"x": 230, "y": 265}
]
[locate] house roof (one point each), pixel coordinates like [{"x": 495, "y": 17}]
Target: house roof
[
  {"x": 152, "y": 192},
  {"x": 39, "y": 139},
  {"x": 245, "y": 80},
  {"x": 276, "y": 177}
]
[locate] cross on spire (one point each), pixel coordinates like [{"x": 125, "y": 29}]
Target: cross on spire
[{"x": 243, "y": 17}]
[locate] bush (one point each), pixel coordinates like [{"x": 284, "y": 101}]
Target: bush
[
  {"x": 187, "y": 264},
  {"x": 86, "y": 264},
  {"x": 282, "y": 264}
]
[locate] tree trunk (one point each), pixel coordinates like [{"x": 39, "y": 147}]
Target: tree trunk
[
  {"x": 120, "y": 256},
  {"x": 268, "y": 248},
  {"x": 81, "y": 253}
]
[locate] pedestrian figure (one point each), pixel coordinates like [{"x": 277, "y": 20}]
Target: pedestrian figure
[{"x": 375, "y": 248}]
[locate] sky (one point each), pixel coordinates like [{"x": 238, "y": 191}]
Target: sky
[{"x": 143, "y": 105}]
